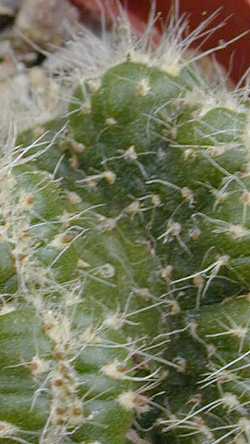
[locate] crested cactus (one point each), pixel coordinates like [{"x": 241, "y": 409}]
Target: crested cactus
[{"x": 124, "y": 256}]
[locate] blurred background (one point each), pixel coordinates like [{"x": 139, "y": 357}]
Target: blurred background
[{"x": 30, "y": 28}]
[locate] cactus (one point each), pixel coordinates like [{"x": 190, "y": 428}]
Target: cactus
[
  {"x": 124, "y": 257},
  {"x": 75, "y": 320}
]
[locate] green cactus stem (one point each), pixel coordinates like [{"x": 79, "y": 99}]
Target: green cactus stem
[
  {"x": 176, "y": 166},
  {"x": 79, "y": 310}
]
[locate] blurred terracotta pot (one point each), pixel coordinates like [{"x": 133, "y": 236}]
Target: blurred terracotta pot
[{"x": 235, "y": 16}]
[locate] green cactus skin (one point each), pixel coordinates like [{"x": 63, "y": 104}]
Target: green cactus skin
[{"x": 76, "y": 323}]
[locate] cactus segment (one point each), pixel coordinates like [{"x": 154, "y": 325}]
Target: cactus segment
[
  {"x": 85, "y": 303},
  {"x": 177, "y": 167},
  {"x": 208, "y": 401}
]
